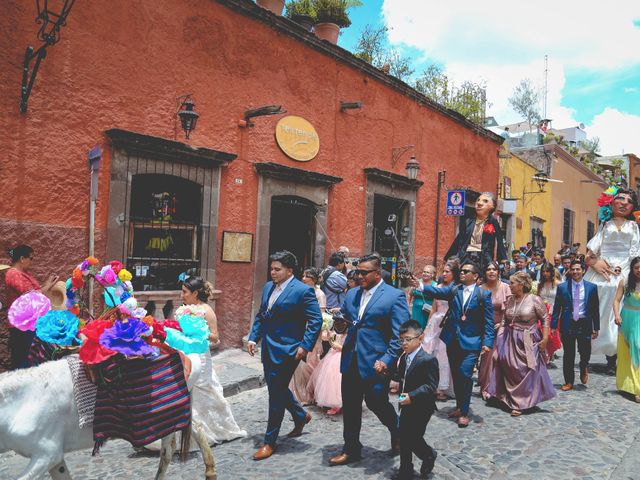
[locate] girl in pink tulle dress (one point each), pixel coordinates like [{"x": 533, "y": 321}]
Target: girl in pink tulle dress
[{"x": 326, "y": 378}]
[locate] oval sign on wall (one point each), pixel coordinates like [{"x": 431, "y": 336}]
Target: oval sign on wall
[{"x": 297, "y": 138}]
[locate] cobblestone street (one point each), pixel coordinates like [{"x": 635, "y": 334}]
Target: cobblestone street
[{"x": 589, "y": 433}]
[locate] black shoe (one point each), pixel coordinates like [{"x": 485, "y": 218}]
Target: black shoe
[
  {"x": 405, "y": 472},
  {"x": 427, "y": 465}
]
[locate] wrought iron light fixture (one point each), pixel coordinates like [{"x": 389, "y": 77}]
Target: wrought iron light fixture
[
  {"x": 188, "y": 116},
  {"x": 413, "y": 167},
  {"x": 541, "y": 179},
  {"x": 50, "y": 22}
]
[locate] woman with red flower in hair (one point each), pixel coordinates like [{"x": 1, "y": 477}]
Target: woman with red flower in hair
[{"x": 481, "y": 240}]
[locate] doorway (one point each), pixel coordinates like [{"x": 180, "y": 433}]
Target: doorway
[
  {"x": 391, "y": 232},
  {"x": 292, "y": 228}
]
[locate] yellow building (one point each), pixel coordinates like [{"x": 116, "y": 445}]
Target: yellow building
[
  {"x": 525, "y": 210},
  {"x": 573, "y": 208}
]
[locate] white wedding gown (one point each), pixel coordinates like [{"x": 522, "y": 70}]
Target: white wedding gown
[
  {"x": 617, "y": 247},
  {"x": 208, "y": 404}
]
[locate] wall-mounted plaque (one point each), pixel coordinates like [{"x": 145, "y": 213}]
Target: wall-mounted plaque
[
  {"x": 237, "y": 247},
  {"x": 297, "y": 138}
]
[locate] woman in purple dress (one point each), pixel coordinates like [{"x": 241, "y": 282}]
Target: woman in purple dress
[{"x": 520, "y": 378}]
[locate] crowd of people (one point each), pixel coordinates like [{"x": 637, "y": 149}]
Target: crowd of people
[{"x": 341, "y": 335}]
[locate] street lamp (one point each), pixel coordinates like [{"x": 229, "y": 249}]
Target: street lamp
[
  {"x": 541, "y": 179},
  {"x": 188, "y": 116},
  {"x": 412, "y": 168},
  {"x": 50, "y": 22}
]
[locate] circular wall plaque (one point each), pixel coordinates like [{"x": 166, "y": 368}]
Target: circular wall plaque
[{"x": 297, "y": 138}]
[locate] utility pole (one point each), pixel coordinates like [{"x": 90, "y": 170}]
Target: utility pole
[
  {"x": 546, "y": 75},
  {"x": 441, "y": 179}
]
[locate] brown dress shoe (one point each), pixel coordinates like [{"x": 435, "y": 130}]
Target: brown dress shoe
[
  {"x": 343, "y": 459},
  {"x": 264, "y": 452},
  {"x": 297, "y": 429},
  {"x": 584, "y": 376},
  {"x": 455, "y": 413},
  {"x": 566, "y": 387},
  {"x": 463, "y": 421}
]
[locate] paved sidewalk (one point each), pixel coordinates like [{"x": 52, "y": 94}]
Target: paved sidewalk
[{"x": 238, "y": 371}]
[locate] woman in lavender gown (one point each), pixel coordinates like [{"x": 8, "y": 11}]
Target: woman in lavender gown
[{"x": 520, "y": 378}]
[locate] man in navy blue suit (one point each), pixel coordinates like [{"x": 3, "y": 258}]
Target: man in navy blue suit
[
  {"x": 468, "y": 331},
  {"x": 577, "y": 308},
  {"x": 375, "y": 311},
  {"x": 289, "y": 323}
]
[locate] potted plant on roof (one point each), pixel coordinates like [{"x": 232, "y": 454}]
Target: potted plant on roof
[
  {"x": 331, "y": 16},
  {"x": 301, "y": 12},
  {"x": 274, "y": 6}
]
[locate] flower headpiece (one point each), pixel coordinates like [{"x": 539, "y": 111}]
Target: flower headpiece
[{"x": 605, "y": 212}]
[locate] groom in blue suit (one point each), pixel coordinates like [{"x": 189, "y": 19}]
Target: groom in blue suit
[
  {"x": 375, "y": 312},
  {"x": 468, "y": 331},
  {"x": 288, "y": 323}
]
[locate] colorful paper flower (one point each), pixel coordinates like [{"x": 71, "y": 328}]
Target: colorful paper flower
[
  {"x": 27, "y": 309},
  {"x": 125, "y": 275},
  {"x": 488, "y": 228},
  {"x": 605, "y": 213},
  {"x": 125, "y": 337},
  {"x": 612, "y": 190},
  {"x": 76, "y": 278},
  {"x": 107, "y": 276},
  {"x": 116, "y": 266},
  {"x": 92, "y": 261},
  {"x": 636, "y": 215},
  {"x": 194, "y": 337},
  {"x": 91, "y": 352},
  {"x": 197, "y": 310},
  {"x": 59, "y": 327},
  {"x": 604, "y": 200}
]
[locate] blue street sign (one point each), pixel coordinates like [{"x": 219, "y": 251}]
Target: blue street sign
[{"x": 455, "y": 203}]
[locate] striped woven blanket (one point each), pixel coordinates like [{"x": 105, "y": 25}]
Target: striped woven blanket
[{"x": 141, "y": 400}]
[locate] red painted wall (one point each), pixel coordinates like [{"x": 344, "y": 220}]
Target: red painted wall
[{"x": 122, "y": 63}]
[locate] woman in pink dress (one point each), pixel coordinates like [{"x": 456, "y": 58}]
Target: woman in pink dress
[
  {"x": 431, "y": 342},
  {"x": 500, "y": 292},
  {"x": 299, "y": 384}
]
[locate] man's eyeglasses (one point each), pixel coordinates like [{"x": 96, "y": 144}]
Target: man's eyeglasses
[
  {"x": 364, "y": 272},
  {"x": 465, "y": 271},
  {"x": 408, "y": 339}
]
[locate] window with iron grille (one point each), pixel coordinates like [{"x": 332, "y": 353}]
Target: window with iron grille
[
  {"x": 163, "y": 208},
  {"x": 567, "y": 226}
]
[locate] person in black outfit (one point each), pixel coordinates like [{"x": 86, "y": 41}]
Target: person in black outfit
[{"x": 419, "y": 374}]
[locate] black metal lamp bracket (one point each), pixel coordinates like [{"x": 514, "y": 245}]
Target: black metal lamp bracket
[{"x": 29, "y": 77}]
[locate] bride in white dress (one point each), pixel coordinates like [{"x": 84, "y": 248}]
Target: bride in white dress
[
  {"x": 614, "y": 245},
  {"x": 207, "y": 400}
]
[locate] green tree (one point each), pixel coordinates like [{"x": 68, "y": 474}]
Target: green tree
[
  {"x": 469, "y": 99},
  {"x": 373, "y": 48},
  {"x": 399, "y": 65},
  {"x": 524, "y": 101}
]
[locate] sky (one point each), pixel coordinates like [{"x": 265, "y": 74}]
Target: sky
[{"x": 592, "y": 47}]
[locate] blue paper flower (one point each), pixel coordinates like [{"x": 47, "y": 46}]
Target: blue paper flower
[
  {"x": 194, "y": 337},
  {"x": 59, "y": 327},
  {"x": 605, "y": 213}
]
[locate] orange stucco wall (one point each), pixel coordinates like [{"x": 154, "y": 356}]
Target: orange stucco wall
[{"x": 122, "y": 63}]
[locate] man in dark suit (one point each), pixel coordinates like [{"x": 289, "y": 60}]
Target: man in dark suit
[
  {"x": 375, "y": 312},
  {"x": 468, "y": 331},
  {"x": 480, "y": 239},
  {"x": 289, "y": 323},
  {"x": 577, "y": 309},
  {"x": 418, "y": 373}
]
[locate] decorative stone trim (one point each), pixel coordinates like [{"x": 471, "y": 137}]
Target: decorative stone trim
[
  {"x": 391, "y": 178},
  {"x": 297, "y": 175}
]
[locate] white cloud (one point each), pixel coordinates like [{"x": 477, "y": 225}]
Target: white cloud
[
  {"x": 618, "y": 132},
  {"x": 580, "y": 33},
  {"x": 502, "y": 42}
]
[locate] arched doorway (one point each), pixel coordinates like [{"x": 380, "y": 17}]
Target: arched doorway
[{"x": 292, "y": 227}]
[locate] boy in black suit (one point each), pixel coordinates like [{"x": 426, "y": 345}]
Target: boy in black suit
[{"x": 419, "y": 375}]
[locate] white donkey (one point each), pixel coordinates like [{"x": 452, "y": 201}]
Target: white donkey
[{"x": 39, "y": 420}]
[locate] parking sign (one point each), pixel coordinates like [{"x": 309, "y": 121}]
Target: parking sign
[{"x": 455, "y": 202}]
